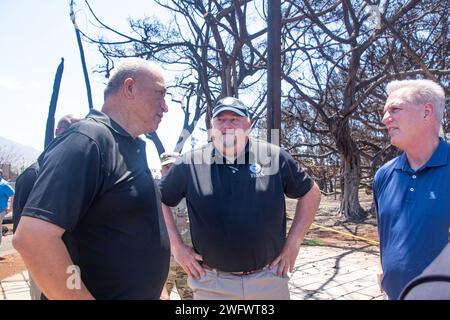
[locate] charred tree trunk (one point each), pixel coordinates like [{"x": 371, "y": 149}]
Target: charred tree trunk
[
  {"x": 50, "y": 127},
  {"x": 350, "y": 207},
  {"x": 184, "y": 135},
  {"x": 335, "y": 186},
  {"x": 83, "y": 59},
  {"x": 274, "y": 69},
  {"x": 350, "y": 175},
  {"x": 158, "y": 144}
]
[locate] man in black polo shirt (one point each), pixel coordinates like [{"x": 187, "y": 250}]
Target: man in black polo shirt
[
  {"x": 234, "y": 189},
  {"x": 94, "y": 208}
]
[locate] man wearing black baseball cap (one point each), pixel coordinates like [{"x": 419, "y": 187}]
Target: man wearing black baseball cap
[
  {"x": 230, "y": 104},
  {"x": 237, "y": 213},
  {"x": 230, "y": 127}
]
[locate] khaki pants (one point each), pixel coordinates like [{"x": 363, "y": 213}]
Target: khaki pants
[{"x": 262, "y": 285}]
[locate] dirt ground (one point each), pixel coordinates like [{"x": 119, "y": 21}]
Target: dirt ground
[
  {"x": 10, "y": 265},
  {"x": 341, "y": 231},
  {"x": 327, "y": 217}
]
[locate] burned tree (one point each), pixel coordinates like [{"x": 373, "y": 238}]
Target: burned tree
[
  {"x": 207, "y": 42},
  {"x": 337, "y": 62}
]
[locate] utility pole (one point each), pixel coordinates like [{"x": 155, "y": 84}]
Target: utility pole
[
  {"x": 274, "y": 70},
  {"x": 83, "y": 60}
]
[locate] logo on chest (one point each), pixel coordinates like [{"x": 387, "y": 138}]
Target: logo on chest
[{"x": 255, "y": 170}]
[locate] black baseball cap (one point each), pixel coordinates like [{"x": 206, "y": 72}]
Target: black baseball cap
[{"x": 230, "y": 104}]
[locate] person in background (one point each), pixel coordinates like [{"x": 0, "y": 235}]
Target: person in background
[
  {"x": 177, "y": 276},
  {"x": 412, "y": 191},
  {"x": 24, "y": 184},
  {"x": 26, "y": 179},
  {"x": 6, "y": 191}
]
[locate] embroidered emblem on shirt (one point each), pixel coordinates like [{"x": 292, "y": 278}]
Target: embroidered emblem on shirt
[
  {"x": 256, "y": 170},
  {"x": 432, "y": 195}
]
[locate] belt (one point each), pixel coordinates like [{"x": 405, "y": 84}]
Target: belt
[{"x": 236, "y": 273}]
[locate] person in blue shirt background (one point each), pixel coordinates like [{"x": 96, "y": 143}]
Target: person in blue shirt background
[
  {"x": 412, "y": 191},
  {"x": 6, "y": 191}
]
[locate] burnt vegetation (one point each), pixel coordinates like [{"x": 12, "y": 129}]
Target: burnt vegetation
[{"x": 337, "y": 57}]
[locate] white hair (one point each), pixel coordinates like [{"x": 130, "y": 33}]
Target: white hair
[
  {"x": 128, "y": 68},
  {"x": 421, "y": 92}
]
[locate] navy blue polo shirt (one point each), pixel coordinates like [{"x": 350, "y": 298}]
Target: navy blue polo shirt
[
  {"x": 236, "y": 211},
  {"x": 94, "y": 182},
  {"x": 413, "y": 213}
]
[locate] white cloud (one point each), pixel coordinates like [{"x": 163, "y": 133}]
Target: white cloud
[{"x": 10, "y": 84}]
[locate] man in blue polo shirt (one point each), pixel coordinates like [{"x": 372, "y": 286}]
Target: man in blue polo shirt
[{"x": 412, "y": 191}]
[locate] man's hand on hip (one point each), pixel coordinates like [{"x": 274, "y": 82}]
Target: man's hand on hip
[{"x": 189, "y": 260}]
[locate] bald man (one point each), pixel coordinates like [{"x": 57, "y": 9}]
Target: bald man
[{"x": 92, "y": 227}]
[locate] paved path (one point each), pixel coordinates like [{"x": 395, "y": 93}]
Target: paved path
[
  {"x": 6, "y": 247},
  {"x": 335, "y": 273},
  {"x": 321, "y": 273},
  {"x": 16, "y": 287}
]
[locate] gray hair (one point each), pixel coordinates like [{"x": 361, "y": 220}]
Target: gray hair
[
  {"x": 421, "y": 92},
  {"x": 128, "y": 68}
]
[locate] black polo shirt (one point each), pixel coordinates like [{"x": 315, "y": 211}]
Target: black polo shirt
[
  {"x": 24, "y": 184},
  {"x": 94, "y": 182},
  {"x": 237, "y": 211}
]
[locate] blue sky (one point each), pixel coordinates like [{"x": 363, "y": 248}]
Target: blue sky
[{"x": 34, "y": 36}]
